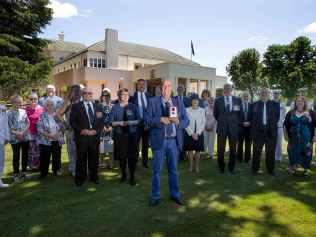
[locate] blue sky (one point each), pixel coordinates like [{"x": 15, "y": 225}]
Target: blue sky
[{"x": 219, "y": 29}]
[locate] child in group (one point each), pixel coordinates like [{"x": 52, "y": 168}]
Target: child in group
[{"x": 4, "y": 137}]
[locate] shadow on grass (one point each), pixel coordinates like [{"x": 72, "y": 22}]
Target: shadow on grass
[{"x": 54, "y": 207}]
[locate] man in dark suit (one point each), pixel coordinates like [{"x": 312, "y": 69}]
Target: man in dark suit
[
  {"x": 86, "y": 120},
  {"x": 244, "y": 135},
  {"x": 181, "y": 96},
  {"x": 264, "y": 130},
  {"x": 228, "y": 113},
  {"x": 140, "y": 99}
]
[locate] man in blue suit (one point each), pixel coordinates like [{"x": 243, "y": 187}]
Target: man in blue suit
[
  {"x": 140, "y": 99},
  {"x": 166, "y": 138}
]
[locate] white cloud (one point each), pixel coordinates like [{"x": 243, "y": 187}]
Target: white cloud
[
  {"x": 85, "y": 13},
  {"x": 311, "y": 28},
  {"x": 63, "y": 10}
]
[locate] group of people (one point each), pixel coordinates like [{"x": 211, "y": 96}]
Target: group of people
[{"x": 172, "y": 126}]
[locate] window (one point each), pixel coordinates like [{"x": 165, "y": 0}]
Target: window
[
  {"x": 103, "y": 63},
  {"x": 95, "y": 62},
  {"x": 99, "y": 63},
  {"x": 85, "y": 62},
  {"x": 90, "y": 62},
  {"x": 137, "y": 66}
]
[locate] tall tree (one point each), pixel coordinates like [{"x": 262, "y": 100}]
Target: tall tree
[
  {"x": 245, "y": 71},
  {"x": 291, "y": 67},
  {"x": 22, "y": 61}
]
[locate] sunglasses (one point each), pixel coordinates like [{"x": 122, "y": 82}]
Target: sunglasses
[
  {"x": 33, "y": 99},
  {"x": 87, "y": 93}
]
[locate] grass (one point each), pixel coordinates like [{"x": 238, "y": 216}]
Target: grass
[{"x": 217, "y": 205}]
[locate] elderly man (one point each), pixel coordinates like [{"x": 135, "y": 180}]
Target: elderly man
[
  {"x": 244, "y": 135},
  {"x": 228, "y": 113},
  {"x": 264, "y": 130},
  {"x": 86, "y": 119},
  {"x": 166, "y": 118},
  {"x": 51, "y": 94},
  {"x": 278, "y": 149},
  {"x": 140, "y": 99}
]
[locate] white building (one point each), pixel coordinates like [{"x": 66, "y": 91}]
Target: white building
[{"x": 114, "y": 64}]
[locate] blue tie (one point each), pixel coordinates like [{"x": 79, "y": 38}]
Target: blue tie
[
  {"x": 169, "y": 127},
  {"x": 142, "y": 101}
]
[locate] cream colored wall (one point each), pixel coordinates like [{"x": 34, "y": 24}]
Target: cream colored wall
[
  {"x": 128, "y": 62},
  {"x": 68, "y": 63},
  {"x": 220, "y": 81}
]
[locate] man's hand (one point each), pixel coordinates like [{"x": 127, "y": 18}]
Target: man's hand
[
  {"x": 246, "y": 124},
  {"x": 84, "y": 132},
  {"x": 165, "y": 120},
  {"x": 175, "y": 120},
  {"x": 92, "y": 132}
]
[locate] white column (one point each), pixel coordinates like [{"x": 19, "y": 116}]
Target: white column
[{"x": 199, "y": 87}]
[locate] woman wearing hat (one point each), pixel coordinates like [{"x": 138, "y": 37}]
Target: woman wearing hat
[{"x": 193, "y": 138}]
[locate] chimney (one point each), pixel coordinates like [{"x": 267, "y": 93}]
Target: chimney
[
  {"x": 61, "y": 36},
  {"x": 111, "y": 48}
]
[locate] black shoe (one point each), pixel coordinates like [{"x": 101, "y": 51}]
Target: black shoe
[
  {"x": 232, "y": 172},
  {"x": 272, "y": 173},
  {"x": 145, "y": 166},
  {"x": 177, "y": 200},
  {"x": 211, "y": 157},
  {"x": 132, "y": 182},
  {"x": 95, "y": 181},
  {"x": 154, "y": 202},
  {"x": 123, "y": 179},
  {"x": 79, "y": 184}
]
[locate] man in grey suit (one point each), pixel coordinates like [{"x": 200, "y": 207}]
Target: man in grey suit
[{"x": 228, "y": 113}]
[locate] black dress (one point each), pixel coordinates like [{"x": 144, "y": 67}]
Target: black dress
[{"x": 193, "y": 145}]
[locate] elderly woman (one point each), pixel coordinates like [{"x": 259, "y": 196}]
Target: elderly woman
[
  {"x": 124, "y": 118},
  {"x": 106, "y": 145},
  {"x": 19, "y": 136},
  {"x": 50, "y": 139},
  {"x": 299, "y": 134},
  {"x": 193, "y": 137},
  {"x": 33, "y": 111},
  {"x": 205, "y": 96},
  {"x": 210, "y": 128},
  {"x": 63, "y": 113}
]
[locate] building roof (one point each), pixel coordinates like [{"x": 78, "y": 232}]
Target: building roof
[
  {"x": 140, "y": 51},
  {"x": 65, "y": 46}
]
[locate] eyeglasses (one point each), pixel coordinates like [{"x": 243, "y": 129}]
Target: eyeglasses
[
  {"x": 33, "y": 99},
  {"x": 87, "y": 93}
]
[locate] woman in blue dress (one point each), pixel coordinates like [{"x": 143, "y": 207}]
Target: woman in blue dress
[{"x": 299, "y": 134}]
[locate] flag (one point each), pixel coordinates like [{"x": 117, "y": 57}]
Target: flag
[{"x": 192, "y": 49}]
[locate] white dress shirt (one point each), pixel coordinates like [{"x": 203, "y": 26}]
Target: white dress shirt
[
  {"x": 230, "y": 99},
  {"x": 264, "y": 119},
  {"x": 196, "y": 116}
]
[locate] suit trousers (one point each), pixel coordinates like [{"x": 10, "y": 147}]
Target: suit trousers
[
  {"x": 168, "y": 151},
  {"x": 221, "y": 147},
  {"x": 244, "y": 145},
  {"x": 269, "y": 142},
  {"x": 143, "y": 140},
  {"x": 87, "y": 158},
  {"x": 16, "y": 148},
  {"x": 46, "y": 152}
]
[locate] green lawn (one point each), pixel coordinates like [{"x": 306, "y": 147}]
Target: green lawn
[{"x": 217, "y": 205}]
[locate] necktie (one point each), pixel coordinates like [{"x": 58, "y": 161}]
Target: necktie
[
  {"x": 91, "y": 115},
  {"x": 169, "y": 127},
  {"x": 264, "y": 114},
  {"x": 195, "y": 127},
  {"x": 142, "y": 102},
  {"x": 246, "y": 111},
  {"x": 227, "y": 104}
]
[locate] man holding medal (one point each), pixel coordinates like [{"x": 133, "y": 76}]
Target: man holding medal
[
  {"x": 166, "y": 118},
  {"x": 228, "y": 113}
]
